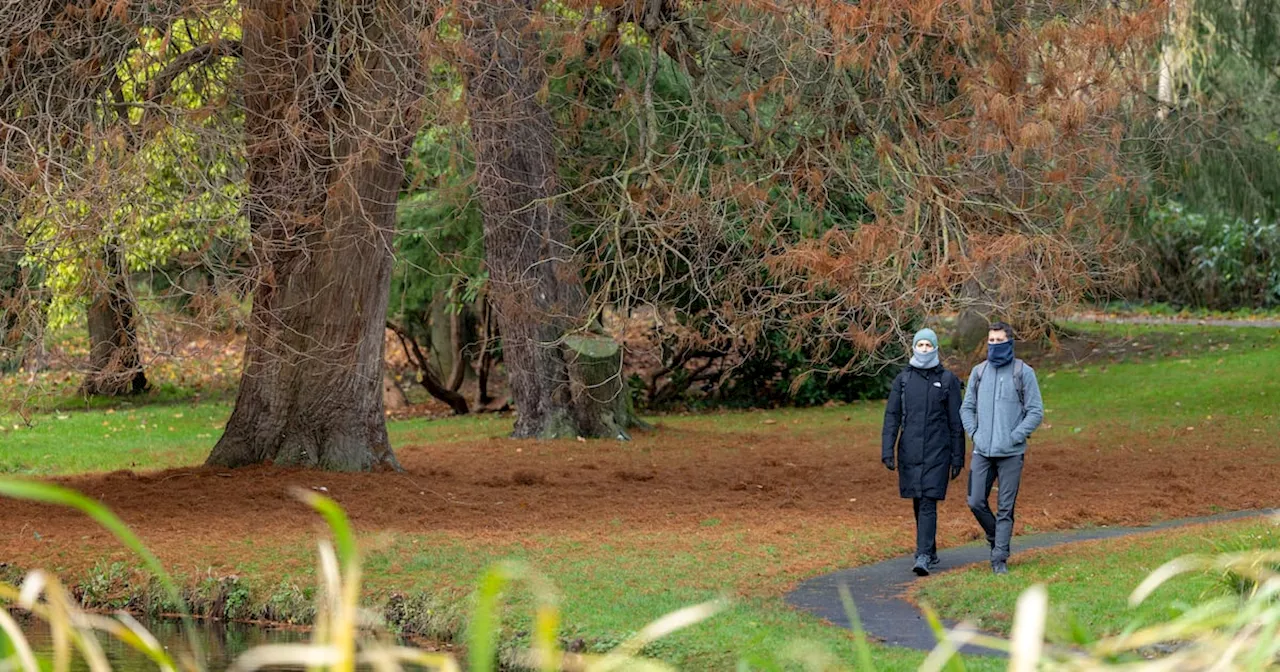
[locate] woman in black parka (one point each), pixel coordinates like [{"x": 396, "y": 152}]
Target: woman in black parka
[{"x": 922, "y": 421}]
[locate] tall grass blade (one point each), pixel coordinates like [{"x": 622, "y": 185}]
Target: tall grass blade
[
  {"x": 17, "y": 643},
  {"x": 860, "y": 642},
  {"x": 945, "y": 654},
  {"x": 1027, "y": 637},
  {"x": 338, "y": 621},
  {"x": 483, "y": 630}
]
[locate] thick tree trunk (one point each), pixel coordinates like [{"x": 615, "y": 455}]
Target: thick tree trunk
[
  {"x": 331, "y": 90},
  {"x": 12, "y": 299},
  {"x": 971, "y": 324},
  {"x": 115, "y": 366},
  {"x": 536, "y": 291}
]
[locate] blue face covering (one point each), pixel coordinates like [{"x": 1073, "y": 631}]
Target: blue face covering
[
  {"x": 1000, "y": 354},
  {"x": 924, "y": 360}
]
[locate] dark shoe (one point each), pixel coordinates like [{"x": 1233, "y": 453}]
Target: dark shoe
[
  {"x": 999, "y": 567},
  {"x": 921, "y": 567},
  {"x": 933, "y": 562}
]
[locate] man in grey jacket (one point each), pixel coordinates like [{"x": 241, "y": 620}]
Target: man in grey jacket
[{"x": 1001, "y": 408}]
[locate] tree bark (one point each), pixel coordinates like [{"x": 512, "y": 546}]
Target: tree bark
[
  {"x": 12, "y": 295},
  {"x": 595, "y": 372},
  {"x": 115, "y": 366},
  {"x": 331, "y": 94},
  {"x": 536, "y": 290}
]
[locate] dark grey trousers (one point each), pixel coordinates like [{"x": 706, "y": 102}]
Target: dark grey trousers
[
  {"x": 983, "y": 473},
  {"x": 926, "y": 526}
]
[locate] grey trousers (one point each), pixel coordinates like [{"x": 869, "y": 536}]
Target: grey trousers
[
  {"x": 983, "y": 472},
  {"x": 926, "y": 510}
]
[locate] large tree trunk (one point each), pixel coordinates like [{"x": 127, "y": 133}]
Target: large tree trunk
[
  {"x": 331, "y": 92},
  {"x": 971, "y": 324},
  {"x": 115, "y": 367},
  {"x": 12, "y": 296},
  {"x": 537, "y": 293}
]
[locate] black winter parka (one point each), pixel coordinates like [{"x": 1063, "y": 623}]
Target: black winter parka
[{"x": 922, "y": 420}]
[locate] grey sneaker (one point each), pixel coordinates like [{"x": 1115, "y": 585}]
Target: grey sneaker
[
  {"x": 922, "y": 565},
  {"x": 999, "y": 567}
]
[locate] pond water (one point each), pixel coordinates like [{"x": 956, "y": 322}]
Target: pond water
[{"x": 222, "y": 642}]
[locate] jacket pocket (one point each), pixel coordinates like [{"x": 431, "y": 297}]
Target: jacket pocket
[{"x": 979, "y": 444}]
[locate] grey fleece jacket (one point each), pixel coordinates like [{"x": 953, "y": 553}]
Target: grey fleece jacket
[{"x": 998, "y": 424}]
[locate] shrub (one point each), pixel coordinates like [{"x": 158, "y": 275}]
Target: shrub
[{"x": 1210, "y": 260}]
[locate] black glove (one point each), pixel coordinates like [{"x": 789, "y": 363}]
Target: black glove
[
  {"x": 955, "y": 471},
  {"x": 889, "y": 464}
]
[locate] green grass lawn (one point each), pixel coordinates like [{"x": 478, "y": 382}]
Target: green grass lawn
[
  {"x": 1089, "y": 583},
  {"x": 607, "y": 593},
  {"x": 1185, "y": 312},
  {"x": 148, "y": 437},
  {"x": 1198, "y": 377},
  {"x": 1191, "y": 372},
  {"x": 1194, "y": 377}
]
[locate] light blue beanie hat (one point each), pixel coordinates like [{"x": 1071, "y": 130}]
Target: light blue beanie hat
[{"x": 925, "y": 335}]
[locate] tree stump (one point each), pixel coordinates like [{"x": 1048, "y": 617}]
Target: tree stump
[{"x": 595, "y": 372}]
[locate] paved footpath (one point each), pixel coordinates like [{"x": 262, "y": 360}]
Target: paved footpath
[{"x": 878, "y": 590}]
